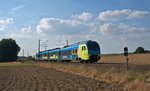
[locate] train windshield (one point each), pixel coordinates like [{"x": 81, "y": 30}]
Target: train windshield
[{"x": 93, "y": 46}]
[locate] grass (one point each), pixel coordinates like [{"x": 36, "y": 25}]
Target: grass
[{"x": 15, "y": 64}]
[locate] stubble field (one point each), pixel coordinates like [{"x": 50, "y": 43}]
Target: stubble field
[
  {"x": 109, "y": 74},
  {"x": 139, "y": 59}
]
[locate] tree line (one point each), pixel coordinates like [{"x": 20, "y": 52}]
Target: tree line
[{"x": 9, "y": 50}]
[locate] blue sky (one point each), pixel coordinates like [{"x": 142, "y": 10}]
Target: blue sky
[{"x": 112, "y": 23}]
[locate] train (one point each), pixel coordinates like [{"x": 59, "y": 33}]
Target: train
[{"x": 83, "y": 52}]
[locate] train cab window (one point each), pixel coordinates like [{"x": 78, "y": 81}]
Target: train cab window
[{"x": 83, "y": 48}]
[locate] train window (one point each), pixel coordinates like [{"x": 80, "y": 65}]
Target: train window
[
  {"x": 56, "y": 53},
  {"x": 51, "y": 54},
  {"x": 69, "y": 52},
  {"x": 64, "y": 52},
  {"x": 75, "y": 50}
]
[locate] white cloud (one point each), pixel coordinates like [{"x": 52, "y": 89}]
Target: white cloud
[
  {"x": 105, "y": 28},
  {"x": 5, "y": 22},
  {"x": 62, "y": 26},
  {"x": 138, "y": 14},
  {"x": 85, "y": 16},
  {"x": 43, "y": 25},
  {"x": 18, "y": 7},
  {"x": 124, "y": 34},
  {"x": 26, "y": 30},
  {"x": 110, "y": 28},
  {"x": 117, "y": 35},
  {"x": 125, "y": 13}
]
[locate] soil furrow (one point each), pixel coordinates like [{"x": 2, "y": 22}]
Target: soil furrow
[{"x": 34, "y": 78}]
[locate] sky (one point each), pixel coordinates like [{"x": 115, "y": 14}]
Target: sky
[{"x": 114, "y": 24}]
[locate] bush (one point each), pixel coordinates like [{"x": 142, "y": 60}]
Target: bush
[{"x": 141, "y": 50}]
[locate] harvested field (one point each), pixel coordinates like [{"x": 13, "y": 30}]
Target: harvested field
[
  {"x": 109, "y": 74},
  {"x": 139, "y": 59},
  {"x": 35, "y": 78}
]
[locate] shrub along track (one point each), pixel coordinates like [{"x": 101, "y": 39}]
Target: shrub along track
[{"x": 35, "y": 78}]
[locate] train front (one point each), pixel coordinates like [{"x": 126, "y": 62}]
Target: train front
[{"x": 94, "y": 51}]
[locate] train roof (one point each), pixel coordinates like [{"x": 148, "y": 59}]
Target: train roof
[
  {"x": 43, "y": 52},
  {"x": 70, "y": 47},
  {"x": 54, "y": 50},
  {"x": 82, "y": 42},
  {"x": 75, "y": 45},
  {"x": 85, "y": 42},
  {"x": 48, "y": 51}
]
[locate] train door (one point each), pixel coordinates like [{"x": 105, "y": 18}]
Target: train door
[{"x": 83, "y": 52}]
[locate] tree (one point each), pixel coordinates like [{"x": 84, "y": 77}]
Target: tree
[
  {"x": 8, "y": 50},
  {"x": 140, "y": 50}
]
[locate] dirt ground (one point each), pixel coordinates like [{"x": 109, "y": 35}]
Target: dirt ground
[{"x": 35, "y": 78}]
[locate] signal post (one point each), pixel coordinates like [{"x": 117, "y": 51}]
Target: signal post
[{"x": 126, "y": 55}]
